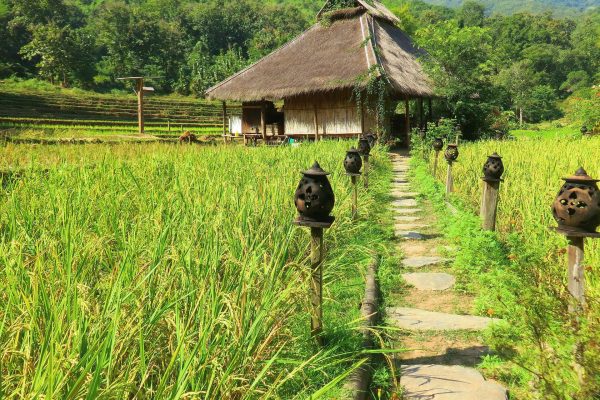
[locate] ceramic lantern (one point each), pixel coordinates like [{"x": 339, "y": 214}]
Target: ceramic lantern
[
  {"x": 584, "y": 130},
  {"x": 314, "y": 197},
  {"x": 372, "y": 139},
  {"x": 363, "y": 146},
  {"x": 577, "y": 205},
  {"x": 493, "y": 168},
  {"x": 352, "y": 162},
  {"x": 438, "y": 144},
  {"x": 451, "y": 153}
]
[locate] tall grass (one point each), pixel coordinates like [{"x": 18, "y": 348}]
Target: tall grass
[{"x": 156, "y": 271}]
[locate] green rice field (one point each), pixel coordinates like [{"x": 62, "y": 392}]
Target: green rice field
[{"x": 161, "y": 271}]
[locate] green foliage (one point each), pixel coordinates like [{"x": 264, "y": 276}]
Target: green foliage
[{"x": 542, "y": 103}]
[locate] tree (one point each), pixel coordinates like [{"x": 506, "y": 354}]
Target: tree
[
  {"x": 519, "y": 80},
  {"x": 541, "y": 104},
  {"x": 471, "y": 13}
]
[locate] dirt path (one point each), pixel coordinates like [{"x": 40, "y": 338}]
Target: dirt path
[{"x": 441, "y": 340}]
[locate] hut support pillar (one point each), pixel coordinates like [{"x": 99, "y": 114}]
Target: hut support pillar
[
  {"x": 263, "y": 120},
  {"x": 316, "y": 120},
  {"x": 407, "y": 121},
  {"x": 362, "y": 119},
  {"x": 225, "y": 122},
  {"x": 422, "y": 123},
  {"x": 429, "y": 111}
]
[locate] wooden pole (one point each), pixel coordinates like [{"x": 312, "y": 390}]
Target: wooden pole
[
  {"x": 489, "y": 204},
  {"x": 449, "y": 180},
  {"x": 429, "y": 106},
  {"x": 435, "y": 163},
  {"x": 263, "y": 120},
  {"x": 576, "y": 287},
  {"x": 422, "y": 123},
  {"x": 366, "y": 158},
  {"x": 224, "y": 122},
  {"x": 576, "y": 269},
  {"x": 140, "y": 96},
  {"x": 316, "y": 294},
  {"x": 407, "y": 121},
  {"x": 354, "y": 198},
  {"x": 316, "y": 121}
]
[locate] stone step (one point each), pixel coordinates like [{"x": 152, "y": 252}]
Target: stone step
[
  {"x": 410, "y": 226},
  {"x": 410, "y": 235},
  {"x": 405, "y": 203},
  {"x": 421, "y": 320},
  {"x": 444, "y": 382},
  {"x": 430, "y": 280},
  {"x": 407, "y": 210},
  {"x": 406, "y": 218},
  {"x": 400, "y": 194},
  {"x": 422, "y": 261}
]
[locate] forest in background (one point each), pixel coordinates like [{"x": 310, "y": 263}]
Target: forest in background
[{"x": 490, "y": 68}]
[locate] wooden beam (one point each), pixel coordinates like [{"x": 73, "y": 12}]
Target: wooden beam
[
  {"x": 362, "y": 118},
  {"x": 430, "y": 114}
]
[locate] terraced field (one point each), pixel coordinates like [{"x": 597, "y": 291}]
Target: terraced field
[{"x": 107, "y": 114}]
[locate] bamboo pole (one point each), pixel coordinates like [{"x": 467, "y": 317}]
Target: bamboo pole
[
  {"x": 366, "y": 158},
  {"x": 224, "y": 122},
  {"x": 435, "y": 163},
  {"x": 263, "y": 120},
  {"x": 316, "y": 283},
  {"x": 140, "y": 96}
]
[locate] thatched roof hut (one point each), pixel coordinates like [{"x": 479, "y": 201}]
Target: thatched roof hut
[{"x": 317, "y": 73}]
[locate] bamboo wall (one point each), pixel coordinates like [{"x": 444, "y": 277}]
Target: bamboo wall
[{"x": 330, "y": 114}]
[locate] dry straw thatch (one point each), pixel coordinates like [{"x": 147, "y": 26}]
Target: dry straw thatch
[{"x": 336, "y": 53}]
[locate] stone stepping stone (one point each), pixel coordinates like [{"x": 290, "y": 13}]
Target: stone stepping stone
[
  {"x": 421, "y": 320},
  {"x": 404, "y": 195},
  {"x": 406, "y": 218},
  {"x": 408, "y": 227},
  {"x": 405, "y": 203},
  {"x": 430, "y": 280},
  {"x": 407, "y": 210},
  {"x": 445, "y": 382},
  {"x": 410, "y": 235},
  {"x": 421, "y": 261}
]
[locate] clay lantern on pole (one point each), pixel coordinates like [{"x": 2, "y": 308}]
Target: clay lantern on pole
[
  {"x": 353, "y": 162},
  {"x": 438, "y": 144},
  {"x": 576, "y": 208},
  {"x": 314, "y": 197},
  {"x": 372, "y": 139},
  {"x": 451, "y": 153},
  {"x": 352, "y": 165},
  {"x": 493, "y": 168},
  {"x": 364, "y": 148},
  {"x": 584, "y": 130}
]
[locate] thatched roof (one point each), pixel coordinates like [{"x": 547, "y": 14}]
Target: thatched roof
[{"x": 333, "y": 55}]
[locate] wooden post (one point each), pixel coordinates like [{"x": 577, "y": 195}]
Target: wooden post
[
  {"x": 316, "y": 121},
  {"x": 576, "y": 269},
  {"x": 366, "y": 158},
  {"x": 489, "y": 204},
  {"x": 354, "y": 197},
  {"x": 422, "y": 123},
  {"x": 407, "y": 121},
  {"x": 429, "y": 106},
  {"x": 316, "y": 283},
  {"x": 224, "y": 121},
  {"x": 435, "y": 163},
  {"x": 362, "y": 119},
  {"x": 140, "y": 96},
  {"x": 449, "y": 180},
  {"x": 263, "y": 120}
]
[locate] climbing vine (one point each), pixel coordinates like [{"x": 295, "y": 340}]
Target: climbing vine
[{"x": 372, "y": 94}]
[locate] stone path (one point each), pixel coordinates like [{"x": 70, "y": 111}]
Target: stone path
[{"x": 441, "y": 339}]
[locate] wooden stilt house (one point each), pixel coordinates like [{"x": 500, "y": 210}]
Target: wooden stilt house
[{"x": 320, "y": 84}]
